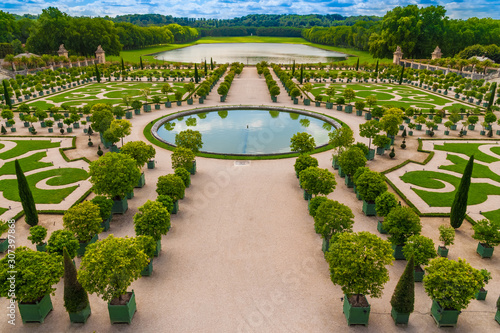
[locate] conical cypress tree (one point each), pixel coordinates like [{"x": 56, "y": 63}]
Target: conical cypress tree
[
  {"x": 206, "y": 70},
  {"x": 211, "y": 64},
  {"x": 8, "y": 101},
  {"x": 123, "y": 65},
  {"x": 401, "y": 77},
  {"x": 301, "y": 73},
  {"x": 196, "y": 79},
  {"x": 26, "y": 196},
  {"x": 140, "y": 59},
  {"x": 357, "y": 64},
  {"x": 403, "y": 298},
  {"x": 459, "y": 205},
  {"x": 75, "y": 297},
  {"x": 492, "y": 95},
  {"x": 293, "y": 68},
  {"x": 97, "y": 74}
]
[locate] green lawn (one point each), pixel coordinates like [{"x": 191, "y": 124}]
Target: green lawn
[
  {"x": 469, "y": 149},
  {"x": 61, "y": 176},
  {"x": 24, "y": 146},
  {"x": 134, "y": 55},
  {"x": 493, "y": 215},
  {"x": 27, "y": 164},
  {"x": 478, "y": 192},
  {"x": 478, "y": 171},
  {"x": 3, "y": 210}
]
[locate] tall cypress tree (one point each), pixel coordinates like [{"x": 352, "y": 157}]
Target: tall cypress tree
[
  {"x": 211, "y": 64},
  {"x": 402, "y": 72},
  {"x": 97, "y": 74},
  {"x": 206, "y": 69},
  {"x": 459, "y": 205},
  {"x": 403, "y": 298},
  {"x": 140, "y": 60},
  {"x": 293, "y": 67},
  {"x": 301, "y": 73},
  {"x": 196, "y": 79},
  {"x": 357, "y": 65},
  {"x": 75, "y": 297},
  {"x": 123, "y": 65},
  {"x": 8, "y": 101},
  {"x": 492, "y": 95},
  {"x": 376, "y": 71},
  {"x": 26, "y": 196}
]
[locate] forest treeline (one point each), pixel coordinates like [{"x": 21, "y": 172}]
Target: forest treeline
[{"x": 417, "y": 30}]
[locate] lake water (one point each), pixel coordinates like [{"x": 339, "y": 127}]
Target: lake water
[
  {"x": 251, "y": 53},
  {"x": 247, "y": 131}
]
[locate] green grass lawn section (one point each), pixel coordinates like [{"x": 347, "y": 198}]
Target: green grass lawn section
[
  {"x": 43, "y": 105},
  {"x": 467, "y": 149},
  {"x": 478, "y": 171},
  {"x": 24, "y": 146},
  {"x": 1, "y": 145},
  {"x": 493, "y": 215},
  {"x": 478, "y": 192},
  {"x": 3, "y": 210},
  {"x": 27, "y": 164},
  {"x": 134, "y": 55},
  {"x": 62, "y": 177}
]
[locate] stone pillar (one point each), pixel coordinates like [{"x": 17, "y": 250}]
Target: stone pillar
[
  {"x": 100, "y": 55},
  {"x": 398, "y": 56},
  {"x": 437, "y": 54},
  {"x": 62, "y": 51}
]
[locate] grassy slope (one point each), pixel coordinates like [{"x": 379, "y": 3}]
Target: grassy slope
[{"x": 133, "y": 55}]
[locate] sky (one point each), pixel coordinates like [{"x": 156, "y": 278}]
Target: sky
[{"x": 457, "y": 9}]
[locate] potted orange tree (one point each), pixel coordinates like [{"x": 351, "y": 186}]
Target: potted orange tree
[{"x": 401, "y": 223}]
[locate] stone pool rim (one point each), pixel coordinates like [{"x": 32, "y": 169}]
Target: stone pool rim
[{"x": 165, "y": 119}]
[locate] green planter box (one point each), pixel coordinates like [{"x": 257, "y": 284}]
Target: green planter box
[
  {"x": 157, "y": 106},
  {"x": 335, "y": 164},
  {"x": 380, "y": 227},
  {"x": 368, "y": 116},
  {"x": 339, "y": 107},
  {"x": 400, "y": 318},
  {"x": 148, "y": 270},
  {"x": 307, "y": 196},
  {"x": 482, "y": 132},
  {"x": 295, "y": 101},
  {"x": 359, "y": 113},
  {"x": 119, "y": 206},
  {"x": 190, "y": 101},
  {"x": 446, "y": 132},
  {"x": 105, "y": 223},
  {"x": 130, "y": 194},
  {"x": 81, "y": 250},
  {"x": 307, "y": 101},
  {"x": 418, "y": 276},
  {"x": 471, "y": 127},
  {"x": 325, "y": 245},
  {"x": 193, "y": 168},
  {"x": 418, "y": 127},
  {"x": 349, "y": 182},
  {"x": 35, "y": 312},
  {"x": 43, "y": 124},
  {"x": 13, "y": 129},
  {"x": 75, "y": 125},
  {"x": 369, "y": 208},
  {"x": 497, "y": 316},
  {"x": 442, "y": 251},
  {"x": 128, "y": 115},
  {"x": 341, "y": 173},
  {"x": 123, "y": 313},
  {"x": 80, "y": 316},
  {"x": 114, "y": 149},
  {"x": 398, "y": 252},
  {"x": 179, "y": 103},
  {"x": 444, "y": 317},
  {"x": 380, "y": 150},
  {"x": 69, "y": 130},
  {"x": 42, "y": 247},
  {"x": 201, "y": 100},
  {"x": 158, "y": 248},
  {"x": 175, "y": 209},
  {"x": 348, "y": 109},
  {"x": 481, "y": 294},
  {"x": 142, "y": 181},
  {"x": 371, "y": 154},
  {"x": 151, "y": 164},
  {"x": 453, "y": 127},
  {"x": 356, "y": 315},
  {"x": 483, "y": 251},
  {"x": 168, "y": 104},
  {"x": 4, "y": 245},
  {"x": 317, "y": 103},
  {"x": 137, "y": 111}
]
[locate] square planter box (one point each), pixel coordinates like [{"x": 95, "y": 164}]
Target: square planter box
[
  {"x": 355, "y": 315},
  {"x": 157, "y": 106},
  {"x": 442, "y": 251},
  {"x": 142, "y": 181},
  {"x": 147, "y": 108},
  {"x": 400, "y": 318},
  {"x": 123, "y": 313},
  {"x": 81, "y": 316},
  {"x": 307, "y": 196},
  {"x": 42, "y": 247},
  {"x": 35, "y": 312},
  {"x": 151, "y": 164},
  {"x": 13, "y": 129},
  {"x": 371, "y": 154},
  {"x": 137, "y": 111},
  {"x": 335, "y": 164},
  {"x": 444, "y": 317},
  {"x": 158, "y": 248},
  {"x": 380, "y": 227},
  {"x": 105, "y": 223},
  {"x": 69, "y": 130},
  {"x": 359, "y": 113},
  {"x": 325, "y": 245},
  {"x": 349, "y": 182},
  {"x": 368, "y": 116},
  {"x": 128, "y": 114},
  {"x": 483, "y": 251},
  {"x": 380, "y": 150},
  {"x": 130, "y": 195},
  {"x": 481, "y": 294},
  {"x": 168, "y": 104},
  {"x": 81, "y": 250},
  {"x": 418, "y": 276},
  {"x": 179, "y": 103},
  {"x": 369, "y": 208},
  {"x": 341, "y": 173},
  {"x": 175, "y": 209},
  {"x": 4, "y": 245},
  {"x": 192, "y": 171},
  {"x": 148, "y": 270},
  {"x": 398, "y": 252},
  {"x": 348, "y": 109},
  {"x": 120, "y": 206}
]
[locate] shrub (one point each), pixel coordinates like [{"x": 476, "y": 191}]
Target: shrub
[
  {"x": 331, "y": 218},
  {"x": 171, "y": 185},
  {"x": 403, "y": 298},
  {"x": 189, "y": 139},
  {"x": 487, "y": 232},
  {"x": 370, "y": 185},
  {"x": 37, "y": 234},
  {"x": 105, "y": 206},
  {"x": 317, "y": 181},
  {"x": 314, "y": 203},
  {"x": 61, "y": 239},
  {"x": 166, "y": 201},
  {"x": 182, "y": 158},
  {"x": 421, "y": 248},
  {"x": 352, "y": 159},
  {"x": 75, "y": 297},
  {"x": 153, "y": 220},
  {"x": 385, "y": 203},
  {"x": 446, "y": 235},
  {"x": 83, "y": 220},
  {"x": 401, "y": 223},
  {"x": 184, "y": 175},
  {"x": 303, "y": 162}
]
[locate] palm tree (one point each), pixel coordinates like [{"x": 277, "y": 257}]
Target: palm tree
[
  {"x": 452, "y": 62},
  {"x": 47, "y": 59},
  {"x": 474, "y": 61},
  {"x": 10, "y": 59},
  {"x": 462, "y": 63},
  {"x": 485, "y": 64}
]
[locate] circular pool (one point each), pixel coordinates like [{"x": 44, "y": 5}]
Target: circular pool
[{"x": 245, "y": 131}]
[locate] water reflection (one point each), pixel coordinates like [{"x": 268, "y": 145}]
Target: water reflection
[{"x": 248, "y": 131}]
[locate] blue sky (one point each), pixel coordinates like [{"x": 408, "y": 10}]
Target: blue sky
[{"x": 458, "y": 9}]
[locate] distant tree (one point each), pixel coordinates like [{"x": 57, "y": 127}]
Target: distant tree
[
  {"x": 27, "y": 200},
  {"x": 459, "y": 205},
  {"x": 303, "y": 143}
]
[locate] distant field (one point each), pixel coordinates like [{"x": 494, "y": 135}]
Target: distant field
[{"x": 134, "y": 55}]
